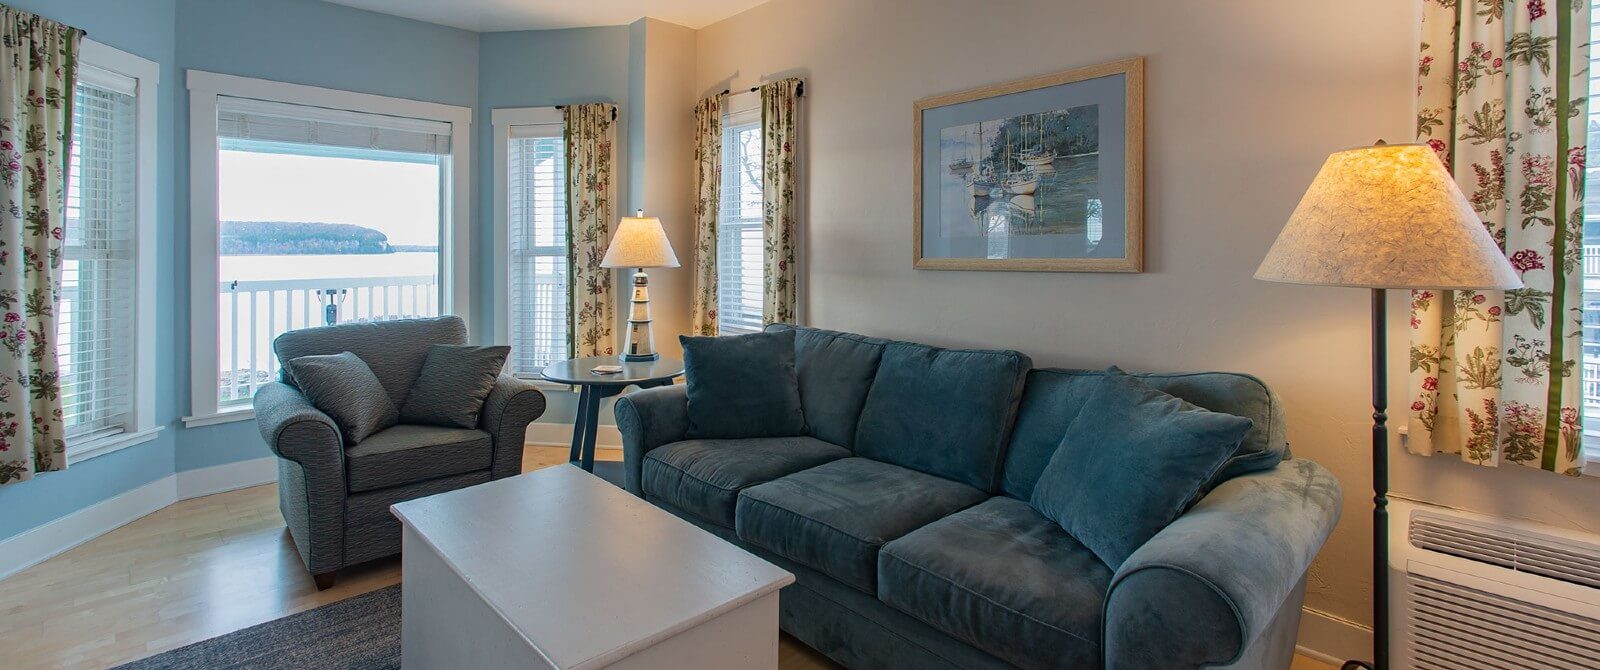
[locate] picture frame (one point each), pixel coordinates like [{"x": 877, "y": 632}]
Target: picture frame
[{"x": 1043, "y": 174}]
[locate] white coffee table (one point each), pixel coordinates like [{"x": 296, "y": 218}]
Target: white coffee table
[{"x": 558, "y": 569}]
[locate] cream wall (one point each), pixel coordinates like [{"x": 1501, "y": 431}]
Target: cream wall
[
  {"x": 1244, "y": 100},
  {"x": 662, "y": 167}
]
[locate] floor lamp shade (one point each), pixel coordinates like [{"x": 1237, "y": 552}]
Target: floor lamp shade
[
  {"x": 1387, "y": 216},
  {"x": 641, "y": 243},
  {"x": 1381, "y": 217}
]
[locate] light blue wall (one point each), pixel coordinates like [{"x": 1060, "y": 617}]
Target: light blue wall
[
  {"x": 319, "y": 44},
  {"x": 145, "y": 28},
  {"x": 541, "y": 68}
]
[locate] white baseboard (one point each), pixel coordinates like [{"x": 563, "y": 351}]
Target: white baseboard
[
  {"x": 38, "y": 544},
  {"x": 1331, "y": 639},
  {"x": 560, "y": 435},
  {"x": 226, "y": 477}
]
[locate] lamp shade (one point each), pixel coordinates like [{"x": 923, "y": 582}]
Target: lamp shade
[
  {"x": 1387, "y": 216},
  {"x": 640, "y": 242}
]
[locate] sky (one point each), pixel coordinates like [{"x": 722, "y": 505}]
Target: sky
[{"x": 398, "y": 198}]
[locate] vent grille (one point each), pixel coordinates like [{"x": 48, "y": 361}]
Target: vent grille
[
  {"x": 1453, "y": 626},
  {"x": 1522, "y": 552}
]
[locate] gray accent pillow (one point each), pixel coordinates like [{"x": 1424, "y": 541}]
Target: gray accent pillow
[
  {"x": 454, "y": 382},
  {"x": 345, "y": 388},
  {"x": 742, "y": 386},
  {"x": 1130, "y": 463}
]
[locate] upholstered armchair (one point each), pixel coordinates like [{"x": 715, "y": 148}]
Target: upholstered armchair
[{"x": 336, "y": 498}]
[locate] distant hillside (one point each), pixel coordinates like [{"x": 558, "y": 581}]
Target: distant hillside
[{"x": 242, "y": 238}]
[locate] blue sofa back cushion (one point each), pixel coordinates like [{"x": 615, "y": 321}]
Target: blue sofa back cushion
[
  {"x": 835, "y": 371},
  {"x": 1130, "y": 463},
  {"x": 1054, "y": 396},
  {"x": 742, "y": 386},
  {"x": 946, "y": 412}
]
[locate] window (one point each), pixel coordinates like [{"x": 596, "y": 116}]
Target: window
[
  {"x": 739, "y": 230},
  {"x": 314, "y": 207},
  {"x": 1591, "y": 263},
  {"x": 535, "y": 220},
  {"x": 104, "y": 338}
]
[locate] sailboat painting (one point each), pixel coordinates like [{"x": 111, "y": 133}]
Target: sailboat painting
[
  {"x": 1041, "y": 170},
  {"x": 1040, "y": 174}
]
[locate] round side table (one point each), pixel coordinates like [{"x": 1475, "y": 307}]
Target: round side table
[{"x": 594, "y": 388}]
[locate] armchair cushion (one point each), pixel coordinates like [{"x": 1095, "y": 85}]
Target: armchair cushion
[
  {"x": 394, "y": 350},
  {"x": 1131, "y": 463},
  {"x": 453, "y": 384},
  {"x": 406, "y": 454},
  {"x": 344, "y": 388},
  {"x": 834, "y": 517},
  {"x": 742, "y": 386},
  {"x": 704, "y": 477},
  {"x": 1003, "y": 579}
]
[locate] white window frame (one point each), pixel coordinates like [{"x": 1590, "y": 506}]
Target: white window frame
[
  {"x": 96, "y": 59},
  {"x": 741, "y": 106},
  {"x": 456, "y": 241},
  {"x": 503, "y": 119}
]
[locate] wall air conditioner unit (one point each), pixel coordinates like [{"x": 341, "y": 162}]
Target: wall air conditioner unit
[{"x": 1475, "y": 591}]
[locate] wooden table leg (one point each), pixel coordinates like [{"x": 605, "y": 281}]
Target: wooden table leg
[
  {"x": 578, "y": 424},
  {"x": 591, "y": 422}
]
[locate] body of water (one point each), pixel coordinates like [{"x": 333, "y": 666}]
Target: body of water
[{"x": 317, "y": 266}]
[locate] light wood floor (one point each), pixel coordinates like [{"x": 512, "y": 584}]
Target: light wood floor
[{"x": 193, "y": 571}]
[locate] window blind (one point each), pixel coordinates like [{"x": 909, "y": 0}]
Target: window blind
[
  {"x": 246, "y": 119},
  {"x": 536, "y": 215},
  {"x": 739, "y": 234},
  {"x": 95, "y": 348}
]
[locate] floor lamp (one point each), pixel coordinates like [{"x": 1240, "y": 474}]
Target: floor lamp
[{"x": 1381, "y": 217}]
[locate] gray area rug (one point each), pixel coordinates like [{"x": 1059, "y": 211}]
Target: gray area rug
[{"x": 360, "y": 633}]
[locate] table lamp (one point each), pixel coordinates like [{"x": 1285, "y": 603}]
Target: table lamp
[
  {"x": 640, "y": 243},
  {"x": 1380, "y": 217}
]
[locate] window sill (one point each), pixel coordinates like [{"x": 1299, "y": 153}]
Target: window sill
[
  {"x": 226, "y": 416},
  {"x": 80, "y": 452}
]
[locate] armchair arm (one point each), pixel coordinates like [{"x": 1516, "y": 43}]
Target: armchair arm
[
  {"x": 296, "y": 430},
  {"x": 512, "y": 405},
  {"x": 311, "y": 483},
  {"x": 648, "y": 419},
  {"x": 1206, "y": 588}
]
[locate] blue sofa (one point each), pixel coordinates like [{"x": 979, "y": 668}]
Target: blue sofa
[{"x": 904, "y": 514}]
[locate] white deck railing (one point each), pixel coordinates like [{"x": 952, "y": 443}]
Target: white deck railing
[{"x": 253, "y": 313}]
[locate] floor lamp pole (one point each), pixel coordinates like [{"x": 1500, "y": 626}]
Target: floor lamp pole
[{"x": 1380, "y": 487}]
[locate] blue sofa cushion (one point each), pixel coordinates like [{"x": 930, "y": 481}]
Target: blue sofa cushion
[
  {"x": 405, "y": 454},
  {"x": 1004, "y": 579},
  {"x": 836, "y": 371},
  {"x": 704, "y": 477},
  {"x": 1130, "y": 463},
  {"x": 945, "y": 412},
  {"x": 1053, "y": 398},
  {"x": 834, "y": 517},
  {"x": 742, "y": 386}
]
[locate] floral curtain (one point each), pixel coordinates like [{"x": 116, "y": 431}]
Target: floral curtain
[
  {"x": 707, "y": 194},
  {"x": 780, "y": 143},
  {"x": 38, "y": 67},
  {"x": 590, "y": 131},
  {"x": 1502, "y": 88}
]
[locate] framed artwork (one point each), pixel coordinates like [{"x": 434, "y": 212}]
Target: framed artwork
[{"x": 1042, "y": 174}]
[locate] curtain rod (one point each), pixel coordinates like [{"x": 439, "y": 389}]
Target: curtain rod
[
  {"x": 799, "y": 90},
  {"x": 613, "y": 111}
]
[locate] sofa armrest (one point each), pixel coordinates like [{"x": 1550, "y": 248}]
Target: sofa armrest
[
  {"x": 296, "y": 430},
  {"x": 1207, "y": 586},
  {"x": 648, "y": 419},
  {"x": 512, "y": 405}
]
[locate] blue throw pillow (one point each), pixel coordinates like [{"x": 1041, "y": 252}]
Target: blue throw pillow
[
  {"x": 742, "y": 386},
  {"x": 1130, "y": 464}
]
